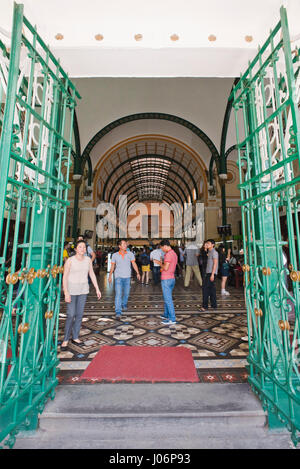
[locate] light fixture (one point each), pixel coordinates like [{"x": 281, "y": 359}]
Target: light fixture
[
  {"x": 248, "y": 38},
  {"x": 212, "y": 38},
  {"x": 59, "y": 36},
  {"x": 138, "y": 37},
  {"x": 174, "y": 37},
  {"x": 99, "y": 37}
]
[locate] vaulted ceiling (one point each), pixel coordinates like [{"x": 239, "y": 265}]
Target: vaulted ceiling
[{"x": 150, "y": 169}]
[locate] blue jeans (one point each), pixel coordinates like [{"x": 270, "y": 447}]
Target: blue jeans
[
  {"x": 167, "y": 289},
  {"x": 122, "y": 290}
]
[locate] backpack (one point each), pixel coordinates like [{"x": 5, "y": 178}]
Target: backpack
[{"x": 144, "y": 259}]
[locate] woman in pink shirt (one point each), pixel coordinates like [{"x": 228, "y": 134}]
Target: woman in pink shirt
[{"x": 168, "y": 281}]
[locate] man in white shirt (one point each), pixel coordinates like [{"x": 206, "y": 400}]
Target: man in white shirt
[
  {"x": 192, "y": 264},
  {"x": 156, "y": 257}
]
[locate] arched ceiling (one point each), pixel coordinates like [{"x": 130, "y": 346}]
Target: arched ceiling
[
  {"x": 140, "y": 38},
  {"x": 126, "y": 128},
  {"x": 152, "y": 169}
]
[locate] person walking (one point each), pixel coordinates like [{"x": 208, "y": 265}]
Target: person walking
[
  {"x": 209, "y": 284},
  {"x": 192, "y": 264},
  {"x": 168, "y": 281},
  {"x": 156, "y": 258},
  {"x": 76, "y": 288},
  {"x": 89, "y": 252},
  {"x": 121, "y": 263}
]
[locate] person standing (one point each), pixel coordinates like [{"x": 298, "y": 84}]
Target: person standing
[
  {"x": 178, "y": 270},
  {"x": 209, "y": 284},
  {"x": 181, "y": 257},
  {"x": 202, "y": 261},
  {"x": 192, "y": 264},
  {"x": 168, "y": 268},
  {"x": 99, "y": 257},
  {"x": 76, "y": 288},
  {"x": 145, "y": 261},
  {"x": 65, "y": 252},
  {"x": 121, "y": 263},
  {"x": 156, "y": 258},
  {"x": 224, "y": 268}
]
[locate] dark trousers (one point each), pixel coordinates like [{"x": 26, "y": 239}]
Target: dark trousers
[
  {"x": 209, "y": 291},
  {"x": 156, "y": 274}
]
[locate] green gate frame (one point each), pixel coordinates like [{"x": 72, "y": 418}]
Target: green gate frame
[
  {"x": 35, "y": 158},
  {"x": 265, "y": 101}
]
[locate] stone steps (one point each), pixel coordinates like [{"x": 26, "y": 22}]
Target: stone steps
[{"x": 153, "y": 416}]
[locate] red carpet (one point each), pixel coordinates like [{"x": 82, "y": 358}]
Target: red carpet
[{"x": 122, "y": 363}]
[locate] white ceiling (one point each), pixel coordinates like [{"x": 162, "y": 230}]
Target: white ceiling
[{"x": 155, "y": 55}]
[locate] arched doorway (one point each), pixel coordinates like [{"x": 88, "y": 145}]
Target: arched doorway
[{"x": 178, "y": 139}]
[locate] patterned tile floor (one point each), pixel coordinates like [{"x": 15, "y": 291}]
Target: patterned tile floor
[{"x": 217, "y": 338}]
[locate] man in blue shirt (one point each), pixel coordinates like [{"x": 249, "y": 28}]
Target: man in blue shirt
[{"x": 121, "y": 263}]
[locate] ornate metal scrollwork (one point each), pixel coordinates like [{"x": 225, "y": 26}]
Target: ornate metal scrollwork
[
  {"x": 266, "y": 99},
  {"x": 31, "y": 274},
  {"x": 35, "y": 145}
]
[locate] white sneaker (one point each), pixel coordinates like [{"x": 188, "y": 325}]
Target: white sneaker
[{"x": 224, "y": 292}]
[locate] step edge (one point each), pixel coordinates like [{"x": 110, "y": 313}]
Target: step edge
[{"x": 240, "y": 414}]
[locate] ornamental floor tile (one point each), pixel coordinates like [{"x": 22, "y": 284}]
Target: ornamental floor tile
[{"x": 218, "y": 339}]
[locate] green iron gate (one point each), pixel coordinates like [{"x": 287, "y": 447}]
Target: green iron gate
[
  {"x": 266, "y": 101},
  {"x": 36, "y": 121}
]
